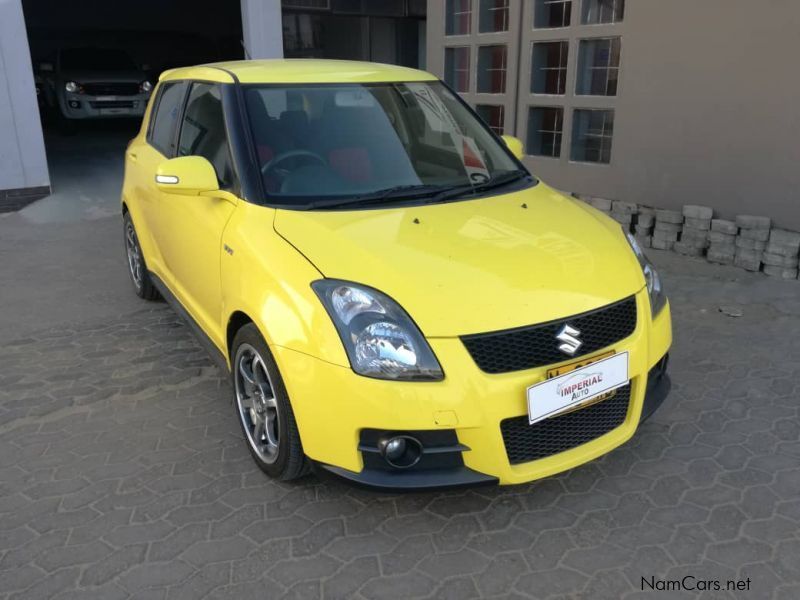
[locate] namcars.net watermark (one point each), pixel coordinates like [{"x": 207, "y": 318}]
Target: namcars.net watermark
[{"x": 690, "y": 583}]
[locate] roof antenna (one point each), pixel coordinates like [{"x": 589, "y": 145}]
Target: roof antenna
[{"x": 246, "y": 51}]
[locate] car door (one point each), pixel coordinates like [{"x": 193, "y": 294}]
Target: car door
[
  {"x": 190, "y": 227},
  {"x": 143, "y": 158}
]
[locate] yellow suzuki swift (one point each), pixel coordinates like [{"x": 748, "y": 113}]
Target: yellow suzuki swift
[{"x": 397, "y": 299}]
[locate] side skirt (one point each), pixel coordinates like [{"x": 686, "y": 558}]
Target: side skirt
[{"x": 205, "y": 341}]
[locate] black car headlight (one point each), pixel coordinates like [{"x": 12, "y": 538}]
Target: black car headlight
[
  {"x": 379, "y": 337},
  {"x": 655, "y": 290}
]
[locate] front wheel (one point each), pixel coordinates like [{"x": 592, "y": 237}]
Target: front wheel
[
  {"x": 137, "y": 268},
  {"x": 263, "y": 408}
]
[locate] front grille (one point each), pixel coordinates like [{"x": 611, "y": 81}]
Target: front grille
[
  {"x": 112, "y": 104},
  {"x": 525, "y": 442},
  {"x": 111, "y": 89},
  {"x": 536, "y": 345}
]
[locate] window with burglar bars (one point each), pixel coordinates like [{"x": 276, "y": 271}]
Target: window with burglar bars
[
  {"x": 549, "y": 14},
  {"x": 458, "y": 17},
  {"x": 493, "y": 116},
  {"x": 549, "y": 68},
  {"x": 493, "y": 16},
  {"x": 492, "y": 69},
  {"x": 456, "y": 68},
  {"x": 596, "y": 12},
  {"x": 598, "y": 67},
  {"x": 545, "y": 129},
  {"x": 592, "y": 133}
]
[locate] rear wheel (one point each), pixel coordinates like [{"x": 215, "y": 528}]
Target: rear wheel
[
  {"x": 137, "y": 268},
  {"x": 263, "y": 408}
]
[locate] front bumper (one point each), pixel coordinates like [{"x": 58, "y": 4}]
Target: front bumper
[
  {"x": 85, "y": 106},
  {"x": 333, "y": 406}
]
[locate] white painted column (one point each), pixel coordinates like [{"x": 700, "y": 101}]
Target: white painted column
[
  {"x": 23, "y": 163},
  {"x": 262, "y": 28}
]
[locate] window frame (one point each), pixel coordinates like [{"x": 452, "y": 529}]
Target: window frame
[
  {"x": 562, "y": 112},
  {"x": 506, "y": 8},
  {"x": 490, "y": 70},
  {"x": 154, "y": 113},
  {"x": 581, "y": 69},
  {"x": 454, "y": 15},
  {"x": 551, "y": 2},
  {"x": 455, "y": 50},
  {"x": 563, "y": 71},
  {"x": 602, "y": 136},
  {"x": 234, "y": 185},
  {"x": 583, "y": 17}
]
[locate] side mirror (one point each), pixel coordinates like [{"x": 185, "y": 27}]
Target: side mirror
[
  {"x": 515, "y": 145},
  {"x": 187, "y": 176}
]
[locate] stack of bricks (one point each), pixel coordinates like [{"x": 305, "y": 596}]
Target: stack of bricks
[
  {"x": 751, "y": 241},
  {"x": 667, "y": 229},
  {"x": 781, "y": 254},
  {"x": 696, "y": 225},
  {"x": 722, "y": 242},
  {"x": 643, "y": 229},
  {"x": 624, "y": 213},
  {"x": 601, "y": 204}
]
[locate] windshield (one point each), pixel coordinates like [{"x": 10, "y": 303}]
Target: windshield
[
  {"x": 318, "y": 142},
  {"x": 96, "y": 59}
]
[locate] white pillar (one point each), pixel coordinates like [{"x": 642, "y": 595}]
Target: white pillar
[
  {"x": 262, "y": 28},
  {"x": 23, "y": 163}
]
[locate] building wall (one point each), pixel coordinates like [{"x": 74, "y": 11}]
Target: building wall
[
  {"x": 706, "y": 107},
  {"x": 23, "y": 164}
]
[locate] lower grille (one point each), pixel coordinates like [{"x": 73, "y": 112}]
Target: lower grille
[
  {"x": 525, "y": 442},
  {"x": 112, "y": 104},
  {"x": 111, "y": 89}
]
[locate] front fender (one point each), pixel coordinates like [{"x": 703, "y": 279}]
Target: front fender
[{"x": 266, "y": 278}]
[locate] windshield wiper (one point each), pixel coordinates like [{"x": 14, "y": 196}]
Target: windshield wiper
[
  {"x": 380, "y": 196},
  {"x": 492, "y": 183}
]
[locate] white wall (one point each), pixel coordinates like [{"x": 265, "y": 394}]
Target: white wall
[
  {"x": 262, "y": 28},
  {"x": 23, "y": 163}
]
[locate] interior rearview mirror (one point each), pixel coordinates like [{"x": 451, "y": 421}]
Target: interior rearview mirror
[
  {"x": 515, "y": 145},
  {"x": 187, "y": 176}
]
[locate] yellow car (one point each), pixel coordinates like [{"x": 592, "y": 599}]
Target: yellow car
[{"x": 397, "y": 299}]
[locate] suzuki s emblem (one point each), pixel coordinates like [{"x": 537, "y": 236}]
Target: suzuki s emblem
[{"x": 570, "y": 342}]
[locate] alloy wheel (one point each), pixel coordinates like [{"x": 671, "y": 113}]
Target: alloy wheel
[
  {"x": 134, "y": 253},
  {"x": 256, "y": 403}
]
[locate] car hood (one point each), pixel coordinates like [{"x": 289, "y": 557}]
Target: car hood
[{"x": 478, "y": 265}]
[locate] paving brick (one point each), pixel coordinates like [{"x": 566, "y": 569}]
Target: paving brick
[
  {"x": 777, "y": 260},
  {"x": 697, "y": 212},
  {"x": 663, "y": 226},
  {"x": 688, "y": 249},
  {"x": 753, "y": 222},
  {"x": 669, "y": 216},
  {"x": 662, "y": 244},
  {"x": 724, "y": 226},
  {"x": 781, "y": 272},
  {"x": 600, "y": 203},
  {"x": 782, "y": 250},
  {"x": 703, "y": 224},
  {"x": 761, "y": 235},
  {"x": 783, "y": 237},
  {"x": 620, "y": 207},
  {"x": 645, "y": 219},
  {"x": 749, "y": 244}
]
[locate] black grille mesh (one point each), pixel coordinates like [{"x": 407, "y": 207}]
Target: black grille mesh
[
  {"x": 536, "y": 345},
  {"x": 526, "y": 442},
  {"x": 111, "y": 89}
]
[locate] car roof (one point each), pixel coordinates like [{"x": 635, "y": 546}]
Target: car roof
[{"x": 298, "y": 70}]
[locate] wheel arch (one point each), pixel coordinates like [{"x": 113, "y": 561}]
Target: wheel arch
[{"x": 236, "y": 321}]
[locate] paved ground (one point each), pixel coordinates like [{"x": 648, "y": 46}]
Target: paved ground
[{"x": 123, "y": 473}]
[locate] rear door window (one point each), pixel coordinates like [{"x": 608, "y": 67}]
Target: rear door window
[
  {"x": 203, "y": 131},
  {"x": 165, "y": 120}
]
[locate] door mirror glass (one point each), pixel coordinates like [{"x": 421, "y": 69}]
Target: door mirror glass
[
  {"x": 187, "y": 176},
  {"x": 515, "y": 145}
]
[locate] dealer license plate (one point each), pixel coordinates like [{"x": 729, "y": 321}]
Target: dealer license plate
[{"x": 576, "y": 385}]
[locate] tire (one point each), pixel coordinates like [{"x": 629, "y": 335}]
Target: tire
[
  {"x": 137, "y": 269},
  {"x": 263, "y": 408}
]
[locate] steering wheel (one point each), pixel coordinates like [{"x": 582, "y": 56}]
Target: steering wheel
[{"x": 274, "y": 162}]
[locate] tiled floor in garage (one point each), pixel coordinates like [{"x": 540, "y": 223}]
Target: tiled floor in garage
[{"x": 123, "y": 473}]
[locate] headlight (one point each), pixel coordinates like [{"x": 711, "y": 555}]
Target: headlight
[
  {"x": 379, "y": 337},
  {"x": 654, "y": 288},
  {"x": 145, "y": 87},
  {"x": 72, "y": 87}
]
